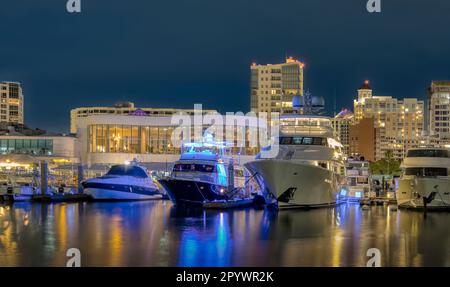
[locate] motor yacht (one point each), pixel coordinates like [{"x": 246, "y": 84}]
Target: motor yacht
[
  {"x": 206, "y": 175},
  {"x": 425, "y": 180},
  {"x": 309, "y": 169},
  {"x": 128, "y": 181}
]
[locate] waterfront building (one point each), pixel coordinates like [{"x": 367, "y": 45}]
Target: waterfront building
[
  {"x": 273, "y": 86},
  {"x": 11, "y": 103},
  {"x": 116, "y": 138},
  {"x": 399, "y": 123},
  {"x": 54, "y": 148},
  {"x": 439, "y": 110},
  {"x": 341, "y": 125},
  {"x": 362, "y": 139},
  {"x": 121, "y": 108}
]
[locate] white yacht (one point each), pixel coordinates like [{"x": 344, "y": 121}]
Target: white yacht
[
  {"x": 123, "y": 182},
  {"x": 206, "y": 175},
  {"x": 425, "y": 179},
  {"x": 358, "y": 184},
  {"x": 309, "y": 170}
]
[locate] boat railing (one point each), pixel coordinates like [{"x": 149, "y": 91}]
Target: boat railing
[{"x": 310, "y": 129}]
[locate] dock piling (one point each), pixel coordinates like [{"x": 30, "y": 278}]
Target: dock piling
[
  {"x": 44, "y": 177},
  {"x": 80, "y": 178}
]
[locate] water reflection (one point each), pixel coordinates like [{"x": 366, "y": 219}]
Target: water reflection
[{"x": 157, "y": 234}]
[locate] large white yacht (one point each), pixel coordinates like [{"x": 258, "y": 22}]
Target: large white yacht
[
  {"x": 206, "y": 175},
  {"x": 425, "y": 179},
  {"x": 309, "y": 170},
  {"x": 123, "y": 182}
]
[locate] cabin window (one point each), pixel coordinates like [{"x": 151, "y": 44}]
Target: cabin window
[
  {"x": 427, "y": 171},
  {"x": 297, "y": 140},
  {"x": 182, "y": 167},
  {"x": 317, "y": 141},
  {"x": 187, "y": 167},
  {"x": 302, "y": 141},
  {"x": 286, "y": 140},
  {"x": 307, "y": 141},
  {"x": 204, "y": 168},
  {"x": 428, "y": 153}
]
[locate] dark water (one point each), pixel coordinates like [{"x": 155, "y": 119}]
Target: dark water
[{"x": 157, "y": 234}]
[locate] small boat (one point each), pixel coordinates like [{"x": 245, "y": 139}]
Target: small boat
[
  {"x": 358, "y": 184},
  {"x": 19, "y": 194},
  {"x": 123, "y": 182},
  {"x": 205, "y": 175}
]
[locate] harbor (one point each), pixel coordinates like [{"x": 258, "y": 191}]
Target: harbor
[
  {"x": 251, "y": 134},
  {"x": 308, "y": 204},
  {"x": 154, "y": 233}
]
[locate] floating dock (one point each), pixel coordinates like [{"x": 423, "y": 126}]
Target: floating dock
[
  {"x": 61, "y": 197},
  {"x": 377, "y": 201},
  {"x": 57, "y": 197}
]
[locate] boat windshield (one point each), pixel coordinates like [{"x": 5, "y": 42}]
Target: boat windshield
[
  {"x": 205, "y": 148},
  {"x": 127, "y": 170},
  {"x": 428, "y": 153}
]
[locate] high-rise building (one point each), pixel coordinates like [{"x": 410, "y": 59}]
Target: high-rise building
[
  {"x": 11, "y": 106},
  {"x": 122, "y": 108},
  {"x": 273, "y": 86},
  {"x": 398, "y": 123},
  {"x": 341, "y": 125},
  {"x": 439, "y": 110}
]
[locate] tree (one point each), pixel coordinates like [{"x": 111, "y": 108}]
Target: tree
[{"x": 387, "y": 166}]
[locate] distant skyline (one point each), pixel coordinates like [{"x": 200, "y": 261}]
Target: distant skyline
[{"x": 181, "y": 52}]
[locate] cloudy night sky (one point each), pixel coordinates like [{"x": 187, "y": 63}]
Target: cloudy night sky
[{"x": 174, "y": 53}]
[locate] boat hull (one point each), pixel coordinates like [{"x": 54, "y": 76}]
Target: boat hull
[
  {"x": 183, "y": 191},
  {"x": 120, "y": 192},
  {"x": 288, "y": 184},
  {"x": 412, "y": 190}
]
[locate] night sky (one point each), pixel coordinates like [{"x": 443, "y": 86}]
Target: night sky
[{"x": 174, "y": 53}]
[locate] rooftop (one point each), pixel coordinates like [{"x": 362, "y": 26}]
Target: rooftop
[{"x": 365, "y": 86}]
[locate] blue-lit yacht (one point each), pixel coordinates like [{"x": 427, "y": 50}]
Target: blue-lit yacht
[
  {"x": 123, "y": 182},
  {"x": 206, "y": 175}
]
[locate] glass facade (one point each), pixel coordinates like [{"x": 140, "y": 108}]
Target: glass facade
[
  {"x": 130, "y": 139},
  {"x": 26, "y": 146},
  {"x": 146, "y": 140}
]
